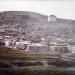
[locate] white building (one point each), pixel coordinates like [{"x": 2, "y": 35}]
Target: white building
[
  {"x": 72, "y": 48},
  {"x": 8, "y": 43},
  {"x": 2, "y": 41},
  {"x": 52, "y": 18},
  {"x": 21, "y": 44}
]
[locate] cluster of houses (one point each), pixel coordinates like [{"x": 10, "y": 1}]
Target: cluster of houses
[{"x": 18, "y": 43}]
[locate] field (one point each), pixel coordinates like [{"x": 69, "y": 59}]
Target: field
[{"x": 19, "y": 62}]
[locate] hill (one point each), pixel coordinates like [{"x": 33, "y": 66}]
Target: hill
[{"x": 35, "y": 24}]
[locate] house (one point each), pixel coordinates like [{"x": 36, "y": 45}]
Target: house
[
  {"x": 72, "y": 47},
  {"x": 62, "y": 48},
  {"x": 1, "y": 41},
  {"x": 8, "y": 37},
  {"x": 21, "y": 44},
  {"x": 37, "y": 47},
  {"x": 8, "y": 43},
  {"x": 59, "y": 48}
]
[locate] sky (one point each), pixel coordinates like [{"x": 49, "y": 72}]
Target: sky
[{"x": 61, "y": 8}]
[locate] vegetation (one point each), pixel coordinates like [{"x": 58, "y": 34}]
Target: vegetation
[{"x": 18, "y": 62}]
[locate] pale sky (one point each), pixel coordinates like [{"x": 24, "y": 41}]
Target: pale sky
[{"x": 62, "y": 9}]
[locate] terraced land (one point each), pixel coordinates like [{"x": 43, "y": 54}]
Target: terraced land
[{"x": 19, "y": 62}]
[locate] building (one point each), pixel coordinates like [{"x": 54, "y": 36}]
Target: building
[
  {"x": 1, "y": 41},
  {"x": 52, "y": 18},
  {"x": 21, "y": 44},
  {"x": 59, "y": 48},
  {"x": 37, "y": 47},
  {"x": 62, "y": 48},
  {"x": 8, "y": 43},
  {"x": 72, "y": 48}
]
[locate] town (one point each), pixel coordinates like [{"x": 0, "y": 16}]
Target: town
[
  {"x": 43, "y": 46},
  {"x": 53, "y": 36}
]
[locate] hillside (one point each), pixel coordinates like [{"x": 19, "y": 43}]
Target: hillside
[
  {"x": 35, "y": 24},
  {"x": 17, "y": 62}
]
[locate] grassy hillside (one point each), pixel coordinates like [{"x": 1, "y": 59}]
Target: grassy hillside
[{"x": 18, "y": 62}]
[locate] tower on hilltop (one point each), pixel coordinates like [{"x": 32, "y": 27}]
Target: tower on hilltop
[{"x": 52, "y": 18}]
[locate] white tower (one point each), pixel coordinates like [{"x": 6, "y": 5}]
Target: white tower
[{"x": 52, "y": 18}]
